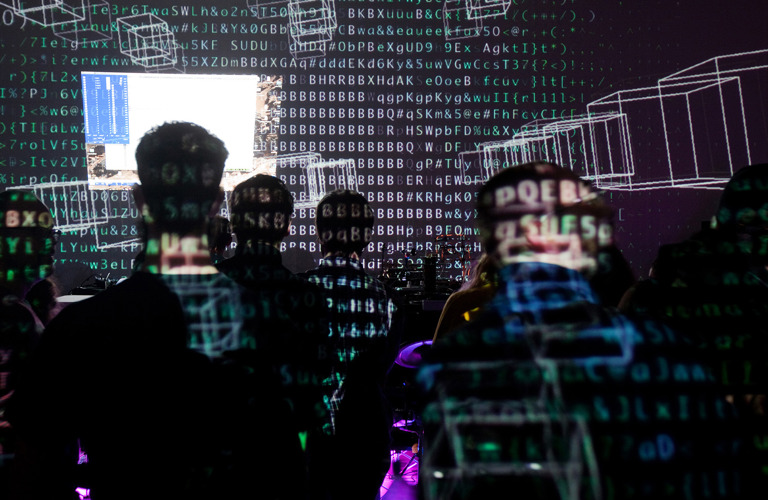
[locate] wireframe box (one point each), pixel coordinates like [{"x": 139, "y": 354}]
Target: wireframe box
[
  {"x": 96, "y": 24},
  {"x": 481, "y": 9},
  {"x": 659, "y": 131},
  {"x": 311, "y": 20},
  {"x": 47, "y": 12},
  {"x": 457, "y": 23},
  {"x": 146, "y": 39},
  {"x": 737, "y": 84},
  {"x": 697, "y": 126},
  {"x": 595, "y": 147}
]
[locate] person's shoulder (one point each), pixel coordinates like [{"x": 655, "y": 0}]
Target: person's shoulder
[
  {"x": 213, "y": 284},
  {"x": 325, "y": 274},
  {"x": 477, "y": 294},
  {"x": 111, "y": 304},
  {"x": 302, "y": 281},
  {"x": 254, "y": 268},
  {"x": 230, "y": 264},
  {"x": 310, "y": 274}
]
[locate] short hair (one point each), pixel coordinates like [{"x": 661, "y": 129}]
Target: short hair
[
  {"x": 26, "y": 237},
  {"x": 743, "y": 204},
  {"x": 260, "y": 210},
  {"x": 344, "y": 222},
  {"x": 180, "y": 166},
  {"x": 540, "y": 199}
]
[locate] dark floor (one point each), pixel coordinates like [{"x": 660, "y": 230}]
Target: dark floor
[{"x": 400, "y": 482}]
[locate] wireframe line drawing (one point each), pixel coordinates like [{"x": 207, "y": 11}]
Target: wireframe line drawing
[
  {"x": 78, "y": 209},
  {"x": 474, "y": 432},
  {"x": 144, "y": 38},
  {"x": 321, "y": 176},
  {"x": 694, "y": 129},
  {"x": 95, "y": 25},
  {"x": 312, "y": 25},
  {"x": 147, "y": 41},
  {"x": 464, "y": 18},
  {"x": 48, "y": 13}
]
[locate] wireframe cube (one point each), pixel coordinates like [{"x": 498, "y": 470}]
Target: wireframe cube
[
  {"x": 73, "y": 206},
  {"x": 660, "y": 129},
  {"x": 311, "y": 20},
  {"x": 47, "y": 12},
  {"x": 481, "y": 9},
  {"x": 457, "y": 23},
  {"x": 327, "y": 176},
  {"x": 146, "y": 39},
  {"x": 96, "y": 24},
  {"x": 595, "y": 147},
  {"x": 725, "y": 96},
  {"x": 312, "y": 25}
]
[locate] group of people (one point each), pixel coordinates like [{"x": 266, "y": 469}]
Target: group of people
[
  {"x": 198, "y": 377},
  {"x": 202, "y": 376}
]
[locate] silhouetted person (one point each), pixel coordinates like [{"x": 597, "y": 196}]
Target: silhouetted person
[
  {"x": 360, "y": 320},
  {"x": 713, "y": 288},
  {"x": 467, "y": 302},
  {"x": 260, "y": 214},
  {"x": 26, "y": 250},
  {"x": 162, "y": 380},
  {"x": 550, "y": 394}
]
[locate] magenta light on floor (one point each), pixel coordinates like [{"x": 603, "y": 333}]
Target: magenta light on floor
[{"x": 402, "y": 478}]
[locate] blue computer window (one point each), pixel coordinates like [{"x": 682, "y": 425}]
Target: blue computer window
[{"x": 105, "y": 102}]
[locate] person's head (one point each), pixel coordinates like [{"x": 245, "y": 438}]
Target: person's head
[
  {"x": 180, "y": 166},
  {"x": 344, "y": 222},
  {"x": 26, "y": 240},
  {"x": 541, "y": 212},
  {"x": 260, "y": 210},
  {"x": 484, "y": 272},
  {"x": 744, "y": 202}
]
